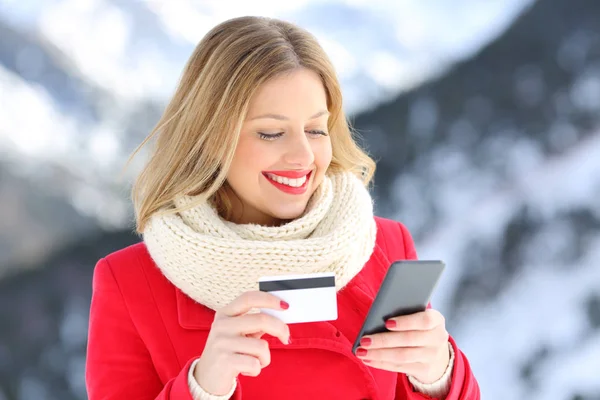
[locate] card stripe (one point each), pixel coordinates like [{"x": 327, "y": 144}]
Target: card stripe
[{"x": 297, "y": 284}]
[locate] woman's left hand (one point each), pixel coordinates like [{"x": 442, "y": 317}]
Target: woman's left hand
[{"x": 416, "y": 345}]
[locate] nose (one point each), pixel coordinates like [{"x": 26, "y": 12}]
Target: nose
[{"x": 299, "y": 151}]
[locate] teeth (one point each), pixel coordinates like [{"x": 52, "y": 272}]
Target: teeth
[{"x": 287, "y": 181}]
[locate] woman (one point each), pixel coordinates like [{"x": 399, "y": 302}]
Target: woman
[{"x": 255, "y": 173}]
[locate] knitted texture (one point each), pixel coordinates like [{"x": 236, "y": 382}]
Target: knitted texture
[{"x": 213, "y": 261}]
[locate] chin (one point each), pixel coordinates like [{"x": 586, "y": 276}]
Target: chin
[{"x": 288, "y": 214}]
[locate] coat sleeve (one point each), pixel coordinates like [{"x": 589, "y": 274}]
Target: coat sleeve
[
  {"x": 118, "y": 364},
  {"x": 463, "y": 386}
]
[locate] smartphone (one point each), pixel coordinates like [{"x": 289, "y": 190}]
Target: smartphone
[{"x": 406, "y": 289}]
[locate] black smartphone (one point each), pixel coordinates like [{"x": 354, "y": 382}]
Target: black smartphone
[{"x": 406, "y": 289}]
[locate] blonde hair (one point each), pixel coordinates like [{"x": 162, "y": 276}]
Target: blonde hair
[{"x": 197, "y": 134}]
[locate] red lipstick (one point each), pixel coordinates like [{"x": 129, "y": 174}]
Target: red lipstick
[{"x": 289, "y": 174}]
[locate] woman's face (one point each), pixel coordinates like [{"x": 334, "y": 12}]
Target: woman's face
[{"x": 283, "y": 150}]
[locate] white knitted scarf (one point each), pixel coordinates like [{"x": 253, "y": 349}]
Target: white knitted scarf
[{"x": 213, "y": 260}]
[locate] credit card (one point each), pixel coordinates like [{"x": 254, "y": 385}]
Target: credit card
[{"x": 312, "y": 297}]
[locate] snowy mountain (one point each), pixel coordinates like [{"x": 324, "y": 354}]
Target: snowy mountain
[{"x": 488, "y": 149}]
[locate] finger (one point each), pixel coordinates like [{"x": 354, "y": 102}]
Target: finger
[
  {"x": 408, "y": 369},
  {"x": 256, "y": 335},
  {"x": 399, "y": 355},
  {"x": 249, "y": 300},
  {"x": 386, "y": 340},
  {"x": 421, "y": 321},
  {"x": 257, "y": 348},
  {"x": 251, "y": 324},
  {"x": 245, "y": 364}
]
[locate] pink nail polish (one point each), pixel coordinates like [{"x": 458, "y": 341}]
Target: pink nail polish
[
  {"x": 284, "y": 305},
  {"x": 365, "y": 342},
  {"x": 390, "y": 323}
]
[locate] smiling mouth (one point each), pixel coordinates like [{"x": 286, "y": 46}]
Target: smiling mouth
[
  {"x": 289, "y": 185},
  {"x": 291, "y": 182}
]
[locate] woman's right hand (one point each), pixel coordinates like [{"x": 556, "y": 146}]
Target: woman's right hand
[{"x": 234, "y": 345}]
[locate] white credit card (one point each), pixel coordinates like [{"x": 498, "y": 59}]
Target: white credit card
[{"x": 312, "y": 297}]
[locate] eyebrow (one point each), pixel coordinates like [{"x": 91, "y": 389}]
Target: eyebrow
[{"x": 284, "y": 118}]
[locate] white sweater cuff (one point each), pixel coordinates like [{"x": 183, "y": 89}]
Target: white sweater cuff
[
  {"x": 440, "y": 388},
  {"x": 200, "y": 394}
]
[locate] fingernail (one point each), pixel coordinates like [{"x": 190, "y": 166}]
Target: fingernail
[
  {"x": 361, "y": 352},
  {"x": 390, "y": 323},
  {"x": 366, "y": 361},
  {"x": 284, "y": 305},
  {"x": 289, "y": 340},
  {"x": 365, "y": 341}
]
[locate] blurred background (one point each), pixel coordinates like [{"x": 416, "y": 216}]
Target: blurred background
[{"x": 484, "y": 117}]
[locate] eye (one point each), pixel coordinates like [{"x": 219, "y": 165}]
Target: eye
[
  {"x": 269, "y": 136},
  {"x": 317, "y": 132},
  {"x": 273, "y": 136}
]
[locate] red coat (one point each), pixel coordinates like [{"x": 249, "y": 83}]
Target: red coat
[{"x": 144, "y": 333}]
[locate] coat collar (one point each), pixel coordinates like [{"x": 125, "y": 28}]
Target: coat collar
[{"x": 192, "y": 315}]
